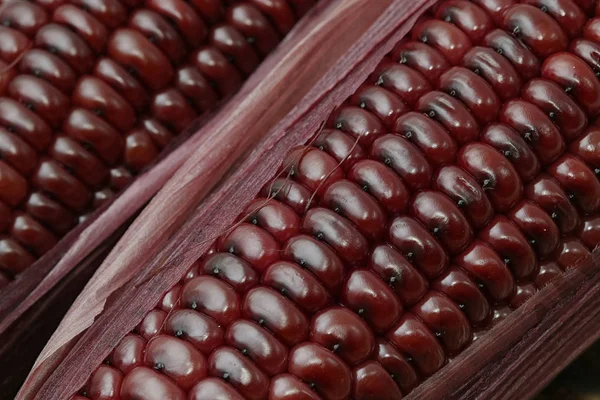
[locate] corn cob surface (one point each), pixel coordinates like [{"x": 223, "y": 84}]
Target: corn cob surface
[
  {"x": 451, "y": 187},
  {"x": 92, "y": 91}
]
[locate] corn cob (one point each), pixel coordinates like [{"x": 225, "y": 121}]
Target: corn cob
[
  {"x": 457, "y": 181},
  {"x": 91, "y": 92}
]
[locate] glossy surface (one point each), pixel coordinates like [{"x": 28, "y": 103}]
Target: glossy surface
[
  {"x": 91, "y": 92},
  {"x": 456, "y": 182}
]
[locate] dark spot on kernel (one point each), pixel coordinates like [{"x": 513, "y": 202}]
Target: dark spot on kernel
[
  {"x": 171, "y": 21},
  {"x": 365, "y": 187},
  {"x": 337, "y": 210},
  {"x": 393, "y": 280},
  {"x": 50, "y": 195},
  {"x": 499, "y": 51},
  {"x": 362, "y": 104},
  {"x": 69, "y": 169},
  {"x": 447, "y": 18},
  {"x": 529, "y": 136},
  {"x": 387, "y": 161},
  {"x": 393, "y": 376},
  {"x": 533, "y": 242},
  {"x": 568, "y": 89},
  {"x": 292, "y": 172},
  {"x": 408, "y": 135},
  {"x": 598, "y": 74},
  {"x": 178, "y": 333},
  {"x": 231, "y": 250},
  {"x": 516, "y": 31},
  {"x": 254, "y": 221},
  {"x": 251, "y": 39},
  {"x": 190, "y": 101},
  {"x": 452, "y": 93},
  {"x": 508, "y": 154},
  {"x": 226, "y": 377},
  {"x": 37, "y": 73},
  {"x": 431, "y": 114},
  {"x": 477, "y": 71},
  {"x": 88, "y": 146},
  {"x": 552, "y": 115},
  {"x": 488, "y": 184},
  {"x": 410, "y": 255},
  {"x": 159, "y": 366},
  {"x": 312, "y": 385},
  {"x": 98, "y": 112},
  {"x": 571, "y": 196},
  {"x": 83, "y": 393},
  {"x": 320, "y": 236},
  {"x": 409, "y": 359},
  {"x": 244, "y": 351},
  {"x": 302, "y": 263},
  {"x": 438, "y": 334},
  {"x": 132, "y": 71},
  {"x": 230, "y": 58},
  {"x": 7, "y": 22},
  {"x": 53, "y": 49},
  {"x": 480, "y": 285},
  {"x": 403, "y": 59},
  {"x": 321, "y": 147},
  {"x": 30, "y": 106},
  {"x": 336, "y": 348},
  {"x": 554, "y": 215},
  {"x": 107, "y": 362},
  {"x": 283, "y": 292},
  {"x": 507, "y": 261},
  {"x": 461, "y": 306},
  {"x": 215, "y": 271},
  {"x": 339, "y": 125},
  {"x": 544, "y": 8},
  {"x": 597, "y": 171},
  {"x": 261, "y": 322},
  {"x": 361, "y": 312},
  {"x": 424, "y": 39},
  {"x": 11, "y": 129},
  {"x": 461, "y": 203},
  {"x": 194, "y": 305},
  {"x": 379, "y": 81},
  {"x": 212, "y": 84},
  {"x": 152, "y": 39},
  {"x": 436, "y": 231}
]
